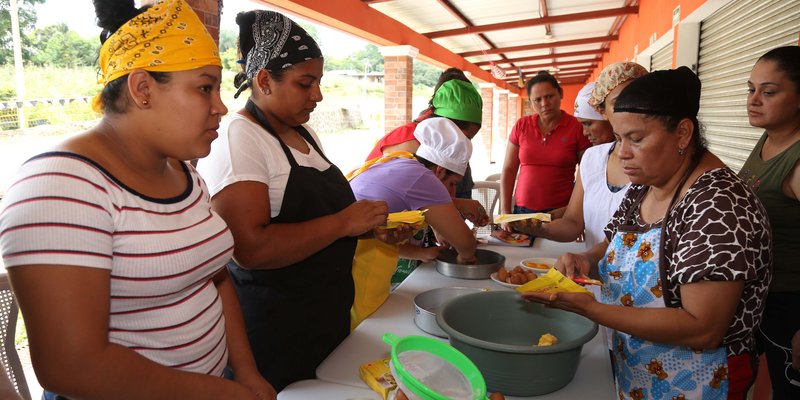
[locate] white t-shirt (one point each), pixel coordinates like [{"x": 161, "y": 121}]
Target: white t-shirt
[
  {"x": 599, "y": 203},
  {"x": 245, "y": 151}
]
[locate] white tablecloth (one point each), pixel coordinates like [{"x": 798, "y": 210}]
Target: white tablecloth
[{"x": 339, "y": 372}]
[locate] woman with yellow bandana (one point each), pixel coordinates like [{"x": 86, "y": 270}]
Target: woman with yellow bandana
[{"x": 110, "y": 243}]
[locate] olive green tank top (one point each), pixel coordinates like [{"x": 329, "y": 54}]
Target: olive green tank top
[{"x": 766, "y": 179}]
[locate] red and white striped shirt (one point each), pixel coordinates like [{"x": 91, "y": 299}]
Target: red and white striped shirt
[{"x": 162, "y": 253}]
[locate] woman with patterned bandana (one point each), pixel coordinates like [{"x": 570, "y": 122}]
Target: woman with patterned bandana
[{"x": 294, "y": 218}]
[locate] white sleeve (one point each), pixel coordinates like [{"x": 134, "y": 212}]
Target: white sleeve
[{"x": 241, "y": 153}]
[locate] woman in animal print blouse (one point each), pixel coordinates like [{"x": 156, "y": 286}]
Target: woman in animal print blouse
[{"x": 686, "y": 263}]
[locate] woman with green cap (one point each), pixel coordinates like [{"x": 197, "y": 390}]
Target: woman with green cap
[{"x": 460, "y": 102}]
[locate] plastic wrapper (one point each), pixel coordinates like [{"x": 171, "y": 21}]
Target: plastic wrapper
[
  {"x": 505, "y": 218},
  {"x": 553, "y": 282},
  {"x": 415, "y": 218}
]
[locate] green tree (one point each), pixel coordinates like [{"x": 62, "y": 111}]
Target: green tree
[
  {"x": 27, "y": 21},
  {"x": 425, "y": 74},
  {"x": 227, "y": 40},
  {"x": 58, "y": 46}
]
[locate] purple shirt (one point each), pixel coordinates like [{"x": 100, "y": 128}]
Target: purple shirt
[{"x": 403, "y": 183}]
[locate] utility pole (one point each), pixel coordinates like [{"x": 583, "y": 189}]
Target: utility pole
[{"x": 19, "y": 74}]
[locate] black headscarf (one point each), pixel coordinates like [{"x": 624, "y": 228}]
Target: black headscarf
[
  {"x": 279, "y": 43},
  {"x": 673, "y": 92}
]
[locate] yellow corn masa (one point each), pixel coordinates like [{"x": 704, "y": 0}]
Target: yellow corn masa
[{"x": 547, "y": 340}]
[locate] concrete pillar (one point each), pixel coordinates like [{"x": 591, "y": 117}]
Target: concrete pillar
[
  {"x": 209, "y": 13},
  {"x": 502, "y": 114},
  {"x": 398, "y": 69},
  {"x": 487, "y": 118}
]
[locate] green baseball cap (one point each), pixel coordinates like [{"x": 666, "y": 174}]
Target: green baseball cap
[{"x": 457, "y": 99}]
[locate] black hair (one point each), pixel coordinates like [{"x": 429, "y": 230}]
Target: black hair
[
  {"x": 246, "y": 42},
  {"x": 670, "y": 123},
  {"x": 544, "y": 76},
  {"x": 111, "y": 15},
  {"x": 459, "y": 123},
  {"x": 429, "y": 164},
  {"x": 787, "y": 59}
]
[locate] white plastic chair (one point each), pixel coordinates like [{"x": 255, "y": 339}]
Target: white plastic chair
[
  {"x": 8, "y": 330},
  {"x": 488, "y": 194},
  {"x": 494, "y": 177}
]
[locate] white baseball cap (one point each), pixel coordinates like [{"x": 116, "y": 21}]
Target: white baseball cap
[
  {"x": 582, "y": 107},
  {"x": 442, "y": 143}
]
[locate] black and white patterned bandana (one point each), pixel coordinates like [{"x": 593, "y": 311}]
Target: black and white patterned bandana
[{"x": 279, "y": 43}]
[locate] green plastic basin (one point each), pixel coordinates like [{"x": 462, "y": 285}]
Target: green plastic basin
[{"x": 499, "y": 332}]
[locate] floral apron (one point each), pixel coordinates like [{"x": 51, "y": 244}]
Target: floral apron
[{"x": 635, "y": 275}]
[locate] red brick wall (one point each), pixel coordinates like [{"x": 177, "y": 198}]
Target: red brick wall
[
  {"x": 502, "y": 117},
  {"x": 208, "y": 11},
  {"x": 397, "y": 91},
  {"x": 487, "y": 95}
]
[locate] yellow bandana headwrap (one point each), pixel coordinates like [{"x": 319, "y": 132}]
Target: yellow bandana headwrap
[{"x": 167, "y": 37}]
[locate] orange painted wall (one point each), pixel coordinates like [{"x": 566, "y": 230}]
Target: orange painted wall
[
  {"x": 568, "y": 101},
  {"x": 655, "y": 16}
]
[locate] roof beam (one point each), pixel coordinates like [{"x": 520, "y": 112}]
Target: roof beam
[
  {"x": 455, "y": 12},
  {"x": 536, "y": 67},
  {"x": 562, "y": 43},
  {"x": 357, "y": 18},
  {"x": 582, "y": 16},
  {"x": 547, "y": 56}
]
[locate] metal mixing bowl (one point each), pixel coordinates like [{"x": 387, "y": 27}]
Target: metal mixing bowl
[
  {"x": 427, "y": 304},
  {"x": 488, "y": 262},
  {"x": 499, "y": 332}
]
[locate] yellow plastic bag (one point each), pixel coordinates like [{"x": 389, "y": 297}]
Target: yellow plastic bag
[
  {"x": 553, "y": 282},
  {"x": 504, "y": 218},
  {"x": 416, "y": 218},
  {"x": 373, "y": 265}
]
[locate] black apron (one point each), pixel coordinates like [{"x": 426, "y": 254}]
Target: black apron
[{"x": 297, "y": 315}]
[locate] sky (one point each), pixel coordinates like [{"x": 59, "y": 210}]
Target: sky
[{"x": 79, "y": 16}]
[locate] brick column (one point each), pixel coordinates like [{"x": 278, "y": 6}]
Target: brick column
[
  {"x": 487, "y": 118},
  {"x": 398, "y": 71},
  {"x": 502, "y": 114},
  {"x": 209, "y": 13}
]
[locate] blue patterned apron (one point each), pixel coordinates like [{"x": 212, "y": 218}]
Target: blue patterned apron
[{"x": 634, "y": 274}]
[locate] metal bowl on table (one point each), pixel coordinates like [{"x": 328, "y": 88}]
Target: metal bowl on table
[
  {"x": 487, "y": 262},
  {"x": 427, "y": 304}
]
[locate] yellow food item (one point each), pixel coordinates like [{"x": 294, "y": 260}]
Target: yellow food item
[
  {"x": 553, "y": 282},
  {"x": 547, "y": 340},
  {"x": 415, "y": 218},
  {"x": 378, "y": 377},
  {"x": 504, "y": 218}
]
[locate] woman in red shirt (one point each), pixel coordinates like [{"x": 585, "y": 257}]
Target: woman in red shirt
[{"x": 544, "y": 148}]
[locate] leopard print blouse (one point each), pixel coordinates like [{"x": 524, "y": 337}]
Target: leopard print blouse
[{"x": 718, "y": 231}]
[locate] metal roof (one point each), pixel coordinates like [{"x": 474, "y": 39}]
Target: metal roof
[{"x": 513, "y": 37}]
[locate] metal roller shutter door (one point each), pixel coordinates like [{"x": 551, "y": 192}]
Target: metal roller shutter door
[
  {"x": 731, "y": 40},
  {"x": 661, "y": 59}
]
